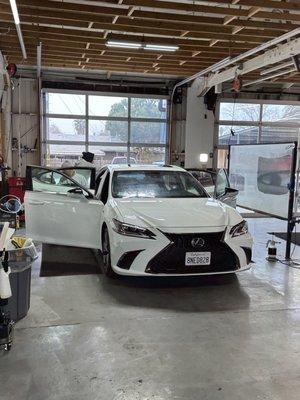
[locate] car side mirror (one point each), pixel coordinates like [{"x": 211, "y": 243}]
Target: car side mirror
[
  {"x": 77, "y": 191},
  {"x": 229, "y": 197},
  {"x": 230, "y": 190}
]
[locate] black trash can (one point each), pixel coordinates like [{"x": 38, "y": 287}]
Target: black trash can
[
  {"x": 19, "y": 303},
  {"x": 20, "y": 261}
]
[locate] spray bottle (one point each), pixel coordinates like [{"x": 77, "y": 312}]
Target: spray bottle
[{"x": 272, "y": 249}]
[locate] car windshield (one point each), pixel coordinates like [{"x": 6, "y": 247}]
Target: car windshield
[{"x": 159, "y": 184}]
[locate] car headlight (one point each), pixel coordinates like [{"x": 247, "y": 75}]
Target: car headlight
[
  {"x": 239, "y": 229},
  {"x": 132, "y": 230}
]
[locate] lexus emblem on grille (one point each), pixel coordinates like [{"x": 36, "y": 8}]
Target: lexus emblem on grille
[{"x": 197, "y": 242}]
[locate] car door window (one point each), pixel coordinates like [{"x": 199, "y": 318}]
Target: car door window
[
  {"x": 46, "y": 180},
  {"x": 221, "y": 183},
  {"x": 84, "y": 176}
]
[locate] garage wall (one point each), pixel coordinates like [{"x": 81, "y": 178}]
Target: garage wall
[
  {"x": 199, "y": 129},
  {"x": 25, "y": 127}
]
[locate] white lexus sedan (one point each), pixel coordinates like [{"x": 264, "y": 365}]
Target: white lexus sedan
[{"x": 146, "y": 220}]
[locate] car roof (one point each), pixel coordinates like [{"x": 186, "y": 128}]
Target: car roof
[{"x": 146, "y": 167}]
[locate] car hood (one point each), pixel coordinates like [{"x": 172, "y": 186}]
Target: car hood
[{"x": 177, "y": 213}]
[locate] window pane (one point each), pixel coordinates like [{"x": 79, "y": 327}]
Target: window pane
[
  {"x": 109, "y": 155},
  {"x": 276, "y": 134},
  {"x": 239, "y": 112},
  {"x": 65, "y": 129},
  {"x": 62, "y": 103},
  {"x": 241, "y": 134},
  {"x": 52, "y": 181},
  {"x": 108, "y": 131},
  {"x": 222, "y": 158},
  {"x": 56, "y": 154},
  {"x": 148, "y": 108},
  {"x": 108, "y": 106},
  {"x": 281, "y": 113},
  {"x": 148, "y": 155},
  {"x": 148, "y": 132}
]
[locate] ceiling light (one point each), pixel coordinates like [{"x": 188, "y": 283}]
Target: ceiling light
[
  {"x": 123, "y": 44},
  {"x": 270, "y": 77},
  {"x": 136, "y": 45},
  {"x": 14, "y": 10},
  {"x": 15, "y": 13},
  {"x": 160, "y": 47},
  {"x": 276, "y": 68},
  {"x": 203, "y": 158}
]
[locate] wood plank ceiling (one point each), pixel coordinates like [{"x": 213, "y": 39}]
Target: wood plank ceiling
[{"x": 74, "y": 33}]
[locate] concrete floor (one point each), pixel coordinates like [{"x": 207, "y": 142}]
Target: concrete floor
[{"x": 234, "y": 338}]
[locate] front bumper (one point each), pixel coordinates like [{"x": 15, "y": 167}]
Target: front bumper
[{"x": 165, "y": 256}]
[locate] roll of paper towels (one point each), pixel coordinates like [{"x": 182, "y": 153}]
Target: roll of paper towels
[{"x": 5, "y": 289}]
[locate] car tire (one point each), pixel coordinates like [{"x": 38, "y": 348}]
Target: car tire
[{"x": 107, "y": 269}]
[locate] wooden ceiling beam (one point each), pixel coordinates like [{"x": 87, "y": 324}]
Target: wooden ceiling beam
[
  {"x": 199, "y": 27},
  {"x": 144, "y": 26},
  {"x": 71, "y": 41},
  {"x": 120, "y": 10},
  {"x": 99, "y": 18},
  {"x": 6, "y": 17},
  {"x": 72, "y": 46},
  {"x": 269, "y": 4},
  {"x": 63, "y": 6},
  {"x": 96, "y": 35},
  {"x": 54, "y": 14},
  {"x": 206, "y": 20},
  {"x": 188, "y": 7},
  {"x": 64, "y": 55}
]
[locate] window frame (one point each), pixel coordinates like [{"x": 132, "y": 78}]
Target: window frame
[
  {"x": 88, "y": 143},
  {"x": 260, "y": 124}
]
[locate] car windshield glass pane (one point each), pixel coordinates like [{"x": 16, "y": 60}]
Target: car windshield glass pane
[{"x": 159, "y": 184}]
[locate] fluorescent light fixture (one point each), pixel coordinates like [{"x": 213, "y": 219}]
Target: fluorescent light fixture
[
  {"x": 14, "y": 10},
  {"x": 289, "y": 71},
  {"x": 160, "y": 47},
  {"x": 203, "y": 158},
  {"x": 276, "y": 68},
  {"x": 15, "y": 13},
  {"x": 136, "y": 45},
  {"x": 123, "y": 44}
]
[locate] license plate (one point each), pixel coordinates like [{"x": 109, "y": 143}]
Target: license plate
[{"x": 197, "y": 258}]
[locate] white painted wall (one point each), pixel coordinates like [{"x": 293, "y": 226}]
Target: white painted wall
[
  {"x": 25, "y": 124},
  {"x": 178, "y": 132},
  {"x": 199, "y": 137},
  {"x": 2, "y": 72},
  {"x": 5, "y": 113}
]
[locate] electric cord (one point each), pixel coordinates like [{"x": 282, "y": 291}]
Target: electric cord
[
  {"x": 14, "y": 209},
  {"x": 232, "y": 133}
]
